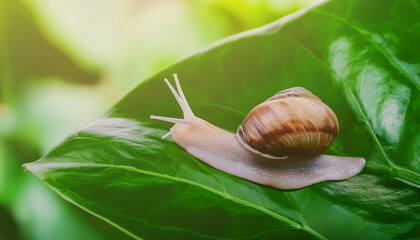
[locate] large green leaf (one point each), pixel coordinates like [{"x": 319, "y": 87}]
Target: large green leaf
[{"x": 360, "y": 57}]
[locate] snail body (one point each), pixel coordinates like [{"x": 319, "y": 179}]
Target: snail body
[{"x": 289, "y": 158}]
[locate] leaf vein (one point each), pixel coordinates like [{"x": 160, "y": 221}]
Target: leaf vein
[
  {"x": 374, "y": 43},
  {"x": 36, "y": 166}
]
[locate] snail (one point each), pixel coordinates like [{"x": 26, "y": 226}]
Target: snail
[{"x": 279, "y": 144}]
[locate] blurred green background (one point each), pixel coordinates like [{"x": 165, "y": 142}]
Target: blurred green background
[{"x": 63, "y": 63}]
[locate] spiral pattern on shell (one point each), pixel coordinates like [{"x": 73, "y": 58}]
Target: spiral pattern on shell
[{"x": 292, "y": 122}]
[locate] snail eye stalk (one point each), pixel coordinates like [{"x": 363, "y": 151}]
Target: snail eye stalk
[{"x": 182, "y": 101}]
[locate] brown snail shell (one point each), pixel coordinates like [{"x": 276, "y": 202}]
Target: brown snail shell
[{"x": 292, "y": 122}]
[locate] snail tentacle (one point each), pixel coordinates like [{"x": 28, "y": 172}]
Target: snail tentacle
[
  {"x": 169, "y": 119},
  {"x": 166, "y": 134},
  {"x": 182, "y": 101},
  {"x": 187, "y": 110},
  {"x": 180, "y": 98}
]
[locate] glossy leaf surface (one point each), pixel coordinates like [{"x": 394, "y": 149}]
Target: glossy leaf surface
[{"x": 362, "y": 58}]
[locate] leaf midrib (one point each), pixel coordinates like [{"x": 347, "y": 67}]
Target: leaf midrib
[{"x": 33, "y": 167}]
